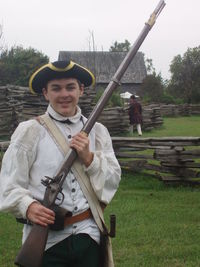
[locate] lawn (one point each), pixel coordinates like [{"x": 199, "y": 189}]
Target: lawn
[
  {"x": 178, "y": 126},
  {"x": 157, "y": 225}
]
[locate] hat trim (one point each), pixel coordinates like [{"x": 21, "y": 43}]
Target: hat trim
[
  {"x": 33, "y": 76},
  {"x": 70, "y": 66},
  {"x": 52, "y": 67},
  {"x": 91, "y": 74}
]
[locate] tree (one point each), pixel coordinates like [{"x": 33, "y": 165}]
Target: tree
[
  {"x": 149, "y": 66},
  {"x": 17, "y": 65},
  {"x": 1, "y": 39},
  {"x": 185, "y": 80},
  {"x": 2, "y": 45},
  {"x": 120, "y": 47},
  {"x": 152, "y": 88}
]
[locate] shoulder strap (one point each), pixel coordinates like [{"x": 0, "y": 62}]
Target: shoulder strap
[
  {"x": 77, "y": 168},
  {"x": 54, "y": 132}
]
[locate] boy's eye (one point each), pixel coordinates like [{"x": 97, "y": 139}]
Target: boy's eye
[
  {"x": 56, "y": 88},
  {"x": 70, "y": 88}
]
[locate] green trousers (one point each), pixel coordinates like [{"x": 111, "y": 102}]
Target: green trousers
[{"x": 75, "y": 251}]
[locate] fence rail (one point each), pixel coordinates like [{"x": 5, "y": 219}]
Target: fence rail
[{"x": 171, "y": 159}]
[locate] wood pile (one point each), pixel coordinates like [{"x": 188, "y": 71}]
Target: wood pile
[
  {"x": 151, "y": 118},
  {"x": 116, "y": 119},
  {"x": 4, "y": 146},
  {"x": 86, "y": 101},
  {"x": 177, "y": 110},
  {"x": 25, "y": 104},
  {"x": 18, "y": 104},
  {"x": 169, "y": 158},
  {"x": 6, "y": 113},
  {"x": 179, "y": 162},
  {"x": 195, "y": 109}
]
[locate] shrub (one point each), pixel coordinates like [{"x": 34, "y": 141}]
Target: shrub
[{"x": 114, "y": 101}]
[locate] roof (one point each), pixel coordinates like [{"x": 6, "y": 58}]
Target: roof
[{"x": 104, "y": 64}]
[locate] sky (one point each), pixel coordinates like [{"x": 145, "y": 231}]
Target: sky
[{"x": 51, "y": 26}]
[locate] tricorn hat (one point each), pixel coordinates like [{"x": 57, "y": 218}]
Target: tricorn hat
[{"x": 59, "y": 70}]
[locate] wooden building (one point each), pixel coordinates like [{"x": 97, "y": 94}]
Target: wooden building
[{"x": 104, "y": 64}]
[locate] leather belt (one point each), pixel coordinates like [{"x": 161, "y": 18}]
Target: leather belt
[{"x": 78, "y": 218}]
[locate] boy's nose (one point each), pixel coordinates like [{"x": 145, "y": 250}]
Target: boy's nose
[{"x": 64, "y": 92}]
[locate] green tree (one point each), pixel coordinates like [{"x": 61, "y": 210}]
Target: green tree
[
  {"x": 149, "y": 66},
  {"x": 185, "y": 79},
  {"x": 152, "y": 88},
  {"x": 1, "y": 39},
  {"x": 114, "y": 101},
  {"x": 120, "y": 47},
  {"x": 17, "y": 65}
]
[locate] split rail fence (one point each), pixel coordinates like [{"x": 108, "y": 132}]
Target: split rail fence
[
  {"x": 171, "y": 159},
  {"x": 17, "y": 104}
]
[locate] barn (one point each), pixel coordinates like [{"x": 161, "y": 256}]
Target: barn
[{"x": 104, "y": 65}]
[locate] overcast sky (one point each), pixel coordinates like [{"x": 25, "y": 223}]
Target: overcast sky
[{"x": 51, "y": 26}]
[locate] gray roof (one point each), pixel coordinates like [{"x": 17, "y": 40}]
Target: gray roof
[{"x": 104, "y": 64}]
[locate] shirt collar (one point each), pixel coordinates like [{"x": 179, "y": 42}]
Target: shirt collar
[{"x": 59, "y": 117}]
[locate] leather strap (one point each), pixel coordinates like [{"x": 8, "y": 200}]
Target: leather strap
[{"x": 78, "y": 218}]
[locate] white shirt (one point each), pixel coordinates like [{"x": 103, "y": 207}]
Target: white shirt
[{"x": 32, "y": 155}]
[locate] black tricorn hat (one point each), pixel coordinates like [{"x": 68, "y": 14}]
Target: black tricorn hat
[{"x": 59, "y": 70}]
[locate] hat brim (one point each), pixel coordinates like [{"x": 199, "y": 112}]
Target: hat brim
[{"x": 49, "y": 72}]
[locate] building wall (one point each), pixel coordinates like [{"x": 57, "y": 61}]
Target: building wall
[{"x": 131, "y": 88}]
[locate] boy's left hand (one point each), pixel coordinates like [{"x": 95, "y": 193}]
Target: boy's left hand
[{"x": 80, "y": 142}]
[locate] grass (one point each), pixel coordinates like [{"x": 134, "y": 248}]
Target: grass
[
  {"x": 10, "y": 239},
  {"x": 157, "y": 225},
  {"x": 179, "y": 126}
]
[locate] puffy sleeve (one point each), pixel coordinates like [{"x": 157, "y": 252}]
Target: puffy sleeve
[
  {"x": 17, "y": 161},
  {"x": 104, "y": 171}
]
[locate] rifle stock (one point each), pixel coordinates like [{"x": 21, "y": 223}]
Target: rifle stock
[{"x": 32, "y": 250}]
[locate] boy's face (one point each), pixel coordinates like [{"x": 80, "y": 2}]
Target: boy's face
[{"x": 63, "y": 95}]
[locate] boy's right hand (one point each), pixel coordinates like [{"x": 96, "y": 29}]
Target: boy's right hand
[{"x": 39, "y": 214}]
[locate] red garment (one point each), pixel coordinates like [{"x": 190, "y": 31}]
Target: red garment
[{"x": 135, "y": 113}]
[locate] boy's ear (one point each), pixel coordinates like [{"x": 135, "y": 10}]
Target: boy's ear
[
  {"x": 44, "y": 91},
  {"x": 81, "y": 89}
]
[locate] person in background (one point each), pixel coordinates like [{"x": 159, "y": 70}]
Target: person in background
[{"x": 135, "y": 115}]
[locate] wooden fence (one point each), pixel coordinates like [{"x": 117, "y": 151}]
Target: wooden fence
[
  {"x": 18, "y": 104},
  {"x": 177, "y": 110},
  {"x": 171, "y": 159}
]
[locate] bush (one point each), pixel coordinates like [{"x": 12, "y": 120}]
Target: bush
[
  {"x": 114, "y": 101},
  {"x": 167, "y": 99}
]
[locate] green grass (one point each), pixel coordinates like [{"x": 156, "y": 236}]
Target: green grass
[
  {"x": 179, "y": 126},
  {"x": 10, "y": 239},
  {"x": 156, "y": 225}
]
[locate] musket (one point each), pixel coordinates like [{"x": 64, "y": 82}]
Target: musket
[{"x": 31, "y": 252}]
